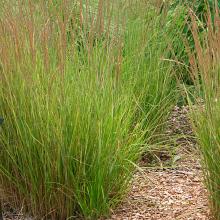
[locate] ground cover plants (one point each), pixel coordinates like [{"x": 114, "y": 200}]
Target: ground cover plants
[{"x": 84, "y": 91}]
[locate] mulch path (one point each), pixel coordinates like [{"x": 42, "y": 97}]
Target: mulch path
[
  {"x": 169, "y": 194},
  {"x": 175, "y": 193}
]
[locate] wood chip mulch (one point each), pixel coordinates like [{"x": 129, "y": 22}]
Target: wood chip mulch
[{"x": 169, "y": 194}]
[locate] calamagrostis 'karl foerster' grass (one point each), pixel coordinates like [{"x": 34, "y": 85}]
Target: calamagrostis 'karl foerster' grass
[
  {"x": 83, "y": 89},
  {"x": 205, "y": 71}
]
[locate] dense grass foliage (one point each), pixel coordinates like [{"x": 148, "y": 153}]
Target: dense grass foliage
[
  {"x": 84, "y": 89},
  {"x": 205, "y": 71},
  {"x": 178, "y": 21}
]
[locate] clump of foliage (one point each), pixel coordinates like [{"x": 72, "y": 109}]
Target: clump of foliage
[
  {"x": 205, "y": 73},
  {"x": 82, "y": 95},
  {"x": 178, "y": 21}
]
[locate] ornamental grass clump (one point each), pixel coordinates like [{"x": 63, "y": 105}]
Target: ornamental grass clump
[
  {"x": 82, "y": 91},
  {"x": 205, "y": 72}
]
